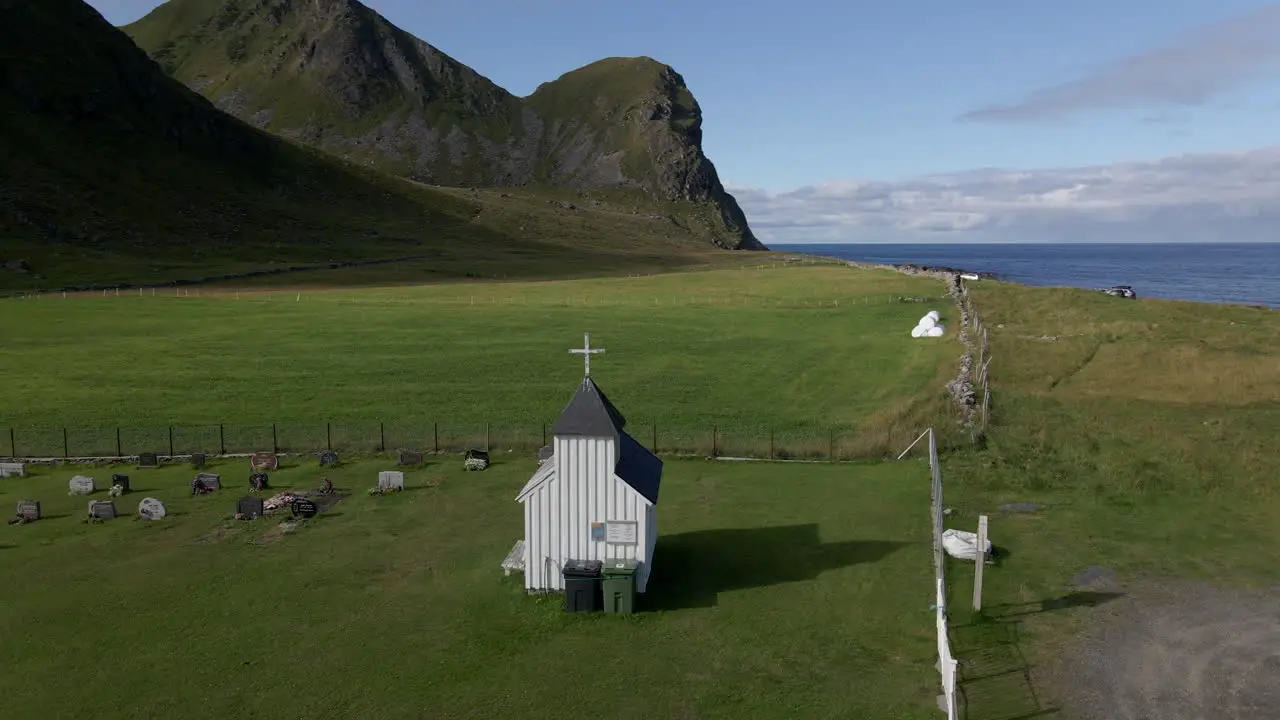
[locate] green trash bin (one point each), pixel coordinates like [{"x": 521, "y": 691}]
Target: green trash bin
[{"x": 619, "y": 586}]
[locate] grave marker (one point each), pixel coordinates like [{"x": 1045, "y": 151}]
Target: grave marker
[
  {"x": 151, "y": 509},
  {"x": 263, "y": 461},
  {"x": 148, "y": 461},
  {"x": 29, "y": 510},
  {"x": 409, "y": 457},
  {"x": 102, "y": 509},
  {"x": 545, "y": 453},
  {"x": 390, "y": 480},
  {"x": 250, "y": 507},
  {"x": 81, "y": 485},
  {"x": 258, "y": 481},
  {"x": 328, "y": 457},
  {"x": 206, "y": 482},
  {"x": 122, "y": 481},
  {"x": 304, "y": 508},
  {"x": 475, "y": 460},
  {"x": 13, "y": 469}
]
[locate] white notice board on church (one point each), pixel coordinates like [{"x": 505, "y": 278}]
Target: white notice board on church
[{"x": 621, "y": 532}]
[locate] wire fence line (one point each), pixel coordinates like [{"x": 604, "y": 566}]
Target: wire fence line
[
  {"x": 980, "y": 377},
  {"x": 366, "y": 437}
]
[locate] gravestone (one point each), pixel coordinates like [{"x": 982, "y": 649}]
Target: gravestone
[
  {"x": 475, "y": 460},
  {"x": 328, "y": 457},
  {"x": 122, "y": 481},
  {"x": 258, "y": 481},
  {"x": 151, "y": 509},
  {"x": 250, "y": 507},
  {"x": 545, "y": 453},
  {"x": 13, "y": 469},
  {"x": 102, "y": 509},
  {"x": 148, "y": 461},
  {"x": 29, "y": 510},
  {"x": 205, "y": 482},
  {"x": 409, "y": 457},
  {"x": 304, "y": 508},
  {"x": 264, "y": 461},
  {"x": 390, "y": 480},
  {"x": 197, "y": 460},
  {"x": 81, "y": 485}
]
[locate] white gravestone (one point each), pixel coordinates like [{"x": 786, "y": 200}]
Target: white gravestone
[
  {"x": 151, "y": 509},
  {"x": 390, "y": 480},
  {"x": 81, "y": 485}
]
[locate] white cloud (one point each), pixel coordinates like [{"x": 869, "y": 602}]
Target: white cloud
[
  {"x": 1190, "y": 71},
  {"x": 1208, "y": 197}
]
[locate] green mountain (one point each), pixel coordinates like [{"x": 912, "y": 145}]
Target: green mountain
[
  {"x": 111, "y": 171},
  {"x": 338, "y": 76}
]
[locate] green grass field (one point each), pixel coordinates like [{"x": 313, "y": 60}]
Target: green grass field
[
  {"x": 820, "y": 356},
  {"x": 1149, "y": 429},
  {"x": 779, "y": 591}
]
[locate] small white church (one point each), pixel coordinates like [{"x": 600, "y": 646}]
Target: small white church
[{"x": 595, "y": 498}]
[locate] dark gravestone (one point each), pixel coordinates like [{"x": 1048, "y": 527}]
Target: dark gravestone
[
  {"x": 198, "y": 460},
  {"x": 545, "y": 453},
  {"x": 148, "y": 461},
  {"x": 475, "y": 460},
  {"x": 122, "y": 481},
  {"x": 205, "y": 482},
  {"x": 102, "y": 509},
  {"x": 29, "y": 510},
  {"x": 409, "y": 457},
  {"x": 258, "y": 481},
  {"x": 304, "y": 508},
  {"x": 249, "y": 507},
  {"x": 328, "y": 457},
  {"x": 264, "y": 461}
]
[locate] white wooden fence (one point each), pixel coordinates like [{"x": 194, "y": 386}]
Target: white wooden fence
[{"x": 946, "y": 663}]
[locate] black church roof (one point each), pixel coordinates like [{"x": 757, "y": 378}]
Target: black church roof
[{"x": 589, "y": 413}]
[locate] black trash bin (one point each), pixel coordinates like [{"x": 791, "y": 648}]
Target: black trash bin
[{"x": 582, "y": 585}]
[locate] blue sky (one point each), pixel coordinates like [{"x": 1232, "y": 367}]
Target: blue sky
[{"x": 931, "y": 120}]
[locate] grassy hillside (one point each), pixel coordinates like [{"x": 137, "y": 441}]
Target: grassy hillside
[
  {"x": 1146, "y": 432},
  {"x": 112, "y": 172},
  {"x": 337, "y": 75}
]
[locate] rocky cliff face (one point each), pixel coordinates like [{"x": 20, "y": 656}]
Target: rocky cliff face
[{"x": 336, "y": 75}]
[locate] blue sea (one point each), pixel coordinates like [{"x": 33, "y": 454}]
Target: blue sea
[{"x": 1246, "y": 273}]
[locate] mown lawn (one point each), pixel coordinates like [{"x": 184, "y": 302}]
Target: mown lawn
[
  {"x": 779, "y": 591},
  {"x": 819, "y": 356}
]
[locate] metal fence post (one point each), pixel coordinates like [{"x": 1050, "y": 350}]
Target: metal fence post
[
  {"x": 770, "y": 443},
  {"x": 222, "y": 440},
  {"x": 715, "y": 445},
  {"x": 328, "y": 435},
  {"x": 66, "y": 452},
  {"x": 13, "y": 444},
  {"x": 486, "y": 437},
  {"x": 655, "y": 437},
  {"x": 831, "y": 444},
  {"x": 275, "y": 439},
  {"x": 170, "y": 441},
  {"x": 544, "y": 435},
  {"x": 382, "y": 437},
  {"x": 118, "y": 452},
  {"x": 435, "y": 429}
]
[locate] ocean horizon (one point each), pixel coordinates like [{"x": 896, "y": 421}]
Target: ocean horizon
[{"x": 1237, "y": 273}]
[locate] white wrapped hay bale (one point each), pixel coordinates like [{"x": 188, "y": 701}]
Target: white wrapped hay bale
[
  {"x": 927, "y": 322},
  {"x": 935, "y": 331},
  {"x": 917, "y": 332},
  {"x": 963, "y": 545},
  {"x": 934, "y": 314}
]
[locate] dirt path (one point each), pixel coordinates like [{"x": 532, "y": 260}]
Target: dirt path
[{"x": 1178, "y": 653}]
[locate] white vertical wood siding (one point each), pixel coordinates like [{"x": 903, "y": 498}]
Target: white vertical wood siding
[{"x": 583, "y": 490}]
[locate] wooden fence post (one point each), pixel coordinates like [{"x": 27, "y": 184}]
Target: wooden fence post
[{"x": 980, "y": 562}]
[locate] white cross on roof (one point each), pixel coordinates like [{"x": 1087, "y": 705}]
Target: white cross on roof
[{"x": 586, "y": 351}]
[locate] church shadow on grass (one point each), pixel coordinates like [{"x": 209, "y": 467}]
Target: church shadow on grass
[{"x": 692, "y": 569}]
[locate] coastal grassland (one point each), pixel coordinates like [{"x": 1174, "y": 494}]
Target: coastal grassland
[
  {"x": 778, "y": 591},
  {"x": 1148, "y": 427},
  {"x": 820, "y": 356}
]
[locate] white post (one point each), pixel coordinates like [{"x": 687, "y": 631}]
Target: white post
[{"x": 980, "y": 563}]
